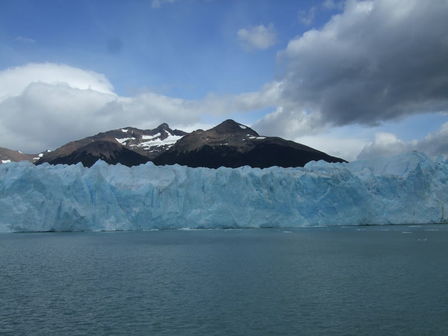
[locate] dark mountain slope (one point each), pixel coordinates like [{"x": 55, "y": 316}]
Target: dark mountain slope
[
  {"x": 231, "y": 144},
  {"x": 146, "y": 143},
  {"x": 108, "y": 151},
  {"x": 9, "y": 155}
]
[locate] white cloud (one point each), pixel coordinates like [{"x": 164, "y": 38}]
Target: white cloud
[
  {"x": 332, "y": 4},
  {"x": 44, "y": 114},
  {"x": 346, "y": 148},
  {"x": 258, "y": 37},
  {"x": 46, "y": 105},
  {"x": 386, "y": 144},
  {"x": 306, "y": 17},
  {"x": 48, "y": 115},
  {"x": 24, "y": 39},
  {"x": 354, "y": 142},
  {"x": 435, "y": 143},
  {"x": 160, "y": 3},
  {"x": 289, "y": 123},
  {"x": 267, "y": 96},
  {"x": 13, "y": 81}
]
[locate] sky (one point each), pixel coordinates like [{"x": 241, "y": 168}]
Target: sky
[{"x": 356, "y": 79}]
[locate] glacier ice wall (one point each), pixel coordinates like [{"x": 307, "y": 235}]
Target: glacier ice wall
[{"x": 410, "y": 188}]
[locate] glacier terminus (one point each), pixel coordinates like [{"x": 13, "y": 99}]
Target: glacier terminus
[{"x": 406, "y": 189}]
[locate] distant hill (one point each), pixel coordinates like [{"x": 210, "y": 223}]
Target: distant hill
[
  {"x": 129, "y": 146},
  {"x": 107, "y": 151},
  {"x": 9, "y": 155},
  {"x": 229, "y": 144}
]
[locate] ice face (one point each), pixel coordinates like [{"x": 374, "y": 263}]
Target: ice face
[{"x": 404, "y": 189}]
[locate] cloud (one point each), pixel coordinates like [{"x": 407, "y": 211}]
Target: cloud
[
  {"x": 307, "y": 17},
  {"x": 386, "y": 144},
  {"x": 267, "y": 96},
  {"x": 435, "y": 143},
  {"x": 346, "y": 148},
  {"x": 376, "y": 61},
  {"x": 288, "y": 123},
  {"x": 258, "y": 37},
  {"x": 332, "y": 5},
  {"x": 308, "y": 129},
  {"x": 44, "y": 114},
  {"x": 24, "y": 39},
  {"x": 13, "y": 81},
  {"x": 46, "y": 105},
  {"x": 160, "y": 3}
]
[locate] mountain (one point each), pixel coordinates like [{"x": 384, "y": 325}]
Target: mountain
[
  {"x": 106, "y": 150},
  {"x": 9, "y": 155},
  {"x": 231, "y": 144},
  {"x": 129, "y": 146},
  {"x": 149, "y": 142}
]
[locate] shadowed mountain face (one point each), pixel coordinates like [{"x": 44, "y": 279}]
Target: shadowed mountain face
[
  {"x": 234, "y": 145},
  {"x": 147, "y": 143},
  {"x": 108, "y": 151},
  {"x": 229, "y": 144},
  {"x": 8, "y": 155}
]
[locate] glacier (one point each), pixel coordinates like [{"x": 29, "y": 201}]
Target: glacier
[{"x": 406, "y": 189}]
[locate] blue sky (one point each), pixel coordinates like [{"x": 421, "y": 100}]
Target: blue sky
[
  {"x": 186, "y": 49},
  {"x": 196, "y": 62}
]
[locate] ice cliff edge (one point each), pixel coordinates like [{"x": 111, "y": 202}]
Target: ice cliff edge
[{"x": 409, "y": 188}]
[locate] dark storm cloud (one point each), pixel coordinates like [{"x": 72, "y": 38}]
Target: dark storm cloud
[{"x": 376, "y": 61}]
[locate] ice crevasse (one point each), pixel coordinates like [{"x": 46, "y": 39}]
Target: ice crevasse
[{"x": 406, "y": 189}]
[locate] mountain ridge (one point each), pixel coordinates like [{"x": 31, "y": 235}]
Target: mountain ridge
[
  {"x": 10, "y": 155},
  {"x": 231, "y": 144},
  {"x": 228, "y": 144}
]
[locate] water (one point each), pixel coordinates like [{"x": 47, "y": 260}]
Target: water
[{"x": 330, "y": 281}]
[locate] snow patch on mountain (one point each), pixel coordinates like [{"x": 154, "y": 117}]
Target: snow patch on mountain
[
  {"x": 148, "y": 142},
  {"x": 168, "y": 141},
  {"x": 123, "y": 140}
]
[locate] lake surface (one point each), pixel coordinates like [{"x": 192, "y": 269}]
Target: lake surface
[{"x": 322, "y": 281}]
